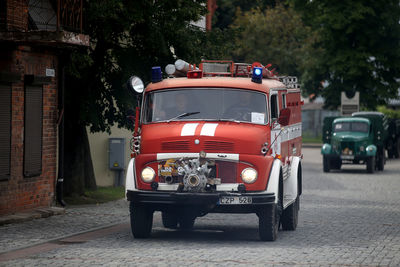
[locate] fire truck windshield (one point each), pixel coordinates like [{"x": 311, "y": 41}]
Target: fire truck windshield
[{"x": 205, "y": 104}]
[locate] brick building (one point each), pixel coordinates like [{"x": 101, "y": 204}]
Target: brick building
[{"x": 35, "y": 39}]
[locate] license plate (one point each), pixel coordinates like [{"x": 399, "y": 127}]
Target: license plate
[
  {"x": 235, "y": 200},
  {"x": 347, "y": 156}
]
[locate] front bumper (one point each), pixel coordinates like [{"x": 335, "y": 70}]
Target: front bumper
[
  {"x": 353, "y": 158},
  {"x": 211, "y": 201}
]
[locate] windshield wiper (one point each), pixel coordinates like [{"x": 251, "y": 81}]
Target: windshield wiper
[{"x": 186, "y": 114}]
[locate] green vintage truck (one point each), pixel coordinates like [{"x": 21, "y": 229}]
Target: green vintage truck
[{"x": 360, "y": 139}]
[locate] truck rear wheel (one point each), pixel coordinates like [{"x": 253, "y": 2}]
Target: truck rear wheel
[
  {"x": 290, "y": 216},
  {"x": 141, "y": 220},
  {"x": 396, "y": 151},
  {"x": 169, "y": 219},
  {"x": 371, "y": 164},
  {"x": 326, "y": 164},
  {"x": 381, "y": 160}
]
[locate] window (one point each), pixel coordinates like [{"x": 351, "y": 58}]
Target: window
[
  {"x": 5, "y": 131},
  {"x": 220, "y": 104},
  {"x": 274, "y": 107},
  {"x": 33, "y": 130}
]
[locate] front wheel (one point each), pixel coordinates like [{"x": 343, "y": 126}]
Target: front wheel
[
  {"x": 371, "y": 164},
  {"x": 268, "y": 223},
  {"x": 326, "y": 164},
  {"x": 141, "y": 220},
  {"x": 290, "y": 216}
]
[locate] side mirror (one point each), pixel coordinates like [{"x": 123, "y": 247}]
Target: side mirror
[
  {"x": 284, "y": 117},
  {"x": 135, "y": 85}
]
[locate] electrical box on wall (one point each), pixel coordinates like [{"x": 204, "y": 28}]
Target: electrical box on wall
[{"x": 116, "y": 153}]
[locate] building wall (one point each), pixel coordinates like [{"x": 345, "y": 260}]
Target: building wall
[
  {"x": 99, "y": 151},
  {"x": 20, "y": 193},
  {"x": 16, "y": 15}
]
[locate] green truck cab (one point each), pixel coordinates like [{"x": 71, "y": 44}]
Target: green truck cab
[{"x": 360, "y": 139}]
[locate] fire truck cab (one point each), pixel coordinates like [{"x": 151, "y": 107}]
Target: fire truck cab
[{"x": 225, "y": 138}]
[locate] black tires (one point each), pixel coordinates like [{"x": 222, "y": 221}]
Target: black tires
[
  {"x": 396, "y": 150},
  {"x": 269, "y": 217},
  {"x": 336, "y": 164},
  {"x": 290, "y": 216},
  {"x": 169, "y": 219},
  {"x": 371, "y": 164},
  {"x": 380, "y": 163},
  {"x": 268, "y": 222},
  {"x": 326, "y": 164},
  {"x": 141, "y": 220}
]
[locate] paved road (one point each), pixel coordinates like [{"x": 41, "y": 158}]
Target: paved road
[{"x": 347, "y": 218}]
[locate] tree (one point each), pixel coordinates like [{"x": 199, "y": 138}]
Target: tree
[
  {"x": 274, "y": 35},
  {"x": 361, "y": 49},
  {"x": 127, "y": 37},
  {"x": 225, "y": 13}
]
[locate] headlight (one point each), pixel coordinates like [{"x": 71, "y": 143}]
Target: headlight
[
  {"x": 148, "y": 175},
  {"x": 249, "y": 175}
]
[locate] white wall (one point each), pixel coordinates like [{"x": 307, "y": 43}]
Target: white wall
[{"x": 99, "y": 152}]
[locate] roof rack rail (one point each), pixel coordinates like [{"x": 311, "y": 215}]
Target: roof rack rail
[{"x": 228, "y": 68}]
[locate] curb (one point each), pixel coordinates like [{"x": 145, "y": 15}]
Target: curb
[
  {"x": 311, "y": 145},
  {"x": 31, "y": 215}
]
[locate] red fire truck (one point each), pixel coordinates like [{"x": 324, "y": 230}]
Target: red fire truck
[{"x": 225, "y": 138}]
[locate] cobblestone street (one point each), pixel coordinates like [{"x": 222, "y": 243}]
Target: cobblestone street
[{"x": 347, "y": 218}]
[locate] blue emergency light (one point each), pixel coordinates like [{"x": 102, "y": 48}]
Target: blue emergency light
[
  {"x": 257, "y": 75},
  {"x": 156, "y": 74}
]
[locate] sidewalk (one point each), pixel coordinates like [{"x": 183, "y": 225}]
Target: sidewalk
[{"x": 29, "y": 229}]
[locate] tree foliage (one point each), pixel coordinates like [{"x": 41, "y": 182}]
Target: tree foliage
[
  {"x": 274, "y": 35},
  {"x": 127, "y": 37},
  {"x": 361, "y": 42},
  {"x": 225, "y": 13}
]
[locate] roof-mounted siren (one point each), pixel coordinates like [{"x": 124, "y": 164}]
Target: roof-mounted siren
[
  {"x": 290, "y": 82},
  {"x": 156, "y": 74},
  {"x": 257, "y": 75}
]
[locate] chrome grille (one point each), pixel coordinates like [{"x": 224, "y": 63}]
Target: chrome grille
[{"x": 226, "y": 171}]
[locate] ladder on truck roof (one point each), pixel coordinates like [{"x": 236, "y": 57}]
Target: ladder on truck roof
[{"x": 212, "y": 68}]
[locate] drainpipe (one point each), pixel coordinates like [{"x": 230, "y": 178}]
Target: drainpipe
[{"x": 60, "y": 123}]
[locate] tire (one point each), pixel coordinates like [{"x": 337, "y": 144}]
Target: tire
[
  {"x": 326, "y": 164},
  {"x": 381, "y": 161},
  {"x": 371, "y": 164},
  {"x": 141, "y": 220},
  {"x": 290, "y": 216},
  {"x": 396, "y": 151},
  {"x": 186, "y": 222},
  {"x": 169, "y": 220},
  {"x": 390, "y": 149},
  {"x": 268, "y": 223},
  {"x": 337, "y": 164}
]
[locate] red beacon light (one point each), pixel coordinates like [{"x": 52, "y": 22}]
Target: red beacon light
[{"x": 195, "y": 74}]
